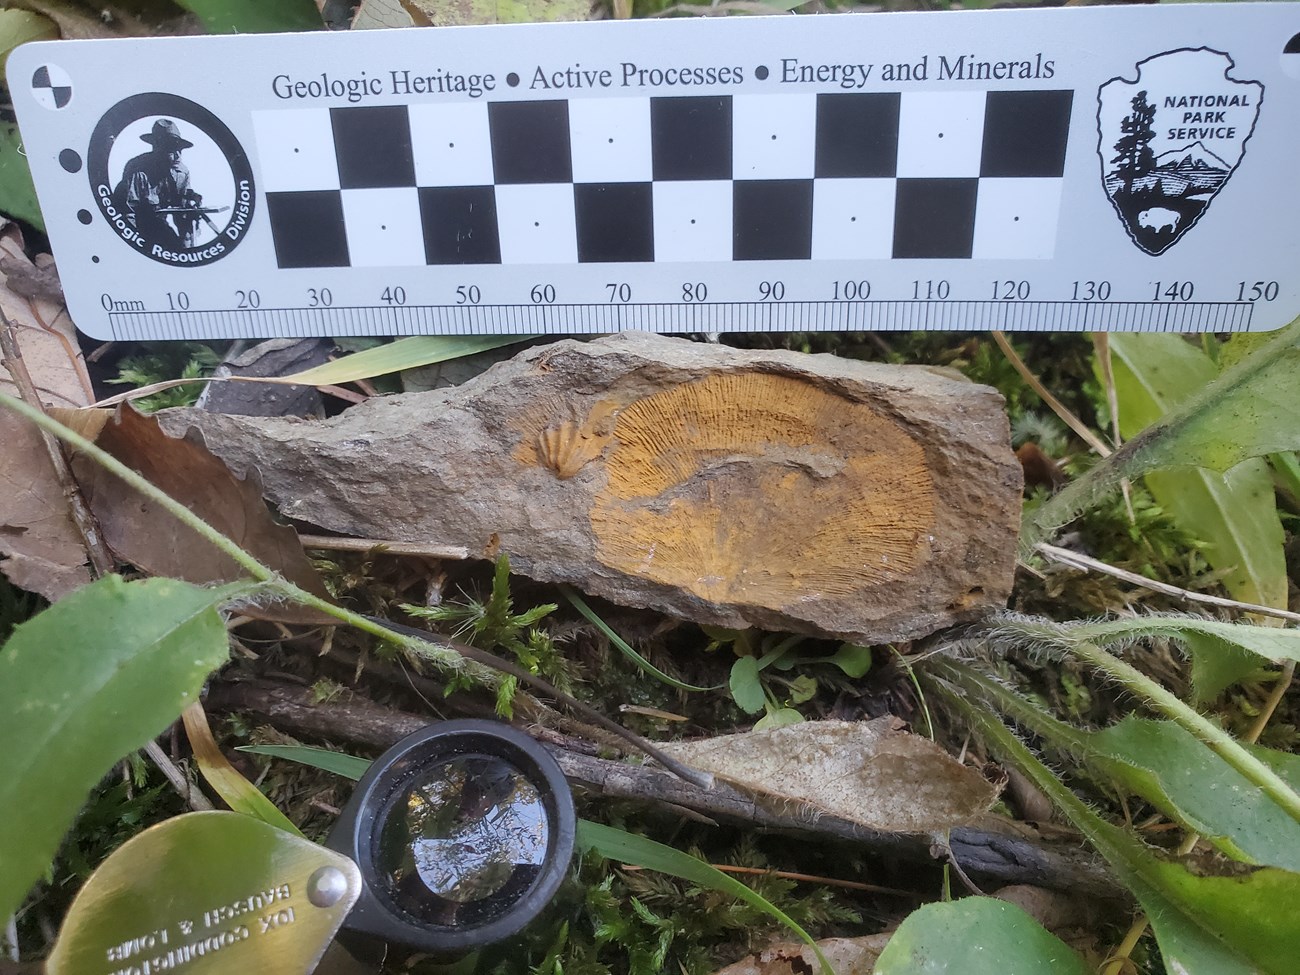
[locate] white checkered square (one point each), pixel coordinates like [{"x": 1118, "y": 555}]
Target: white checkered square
[
  {"x": 536, "y": 223},
  {"x": 1017, "y": 218},
  {"x": 610, "y": 140},
  {"x": 451, "y": 145},
  {"x": 853, "y": 219},
  {"x": 773, "y": 136},
  {"x": 693, "y": 220},
  {"x": 295, "y": 150},
  {"x": 383, "y": 227},
  {"x": 940, "y": 134}
]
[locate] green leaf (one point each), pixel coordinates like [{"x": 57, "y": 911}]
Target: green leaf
[
  {"x": 1168, "y": 767},
  {"x": 89, "y": 680},
  {"x": 976, "y": 936},
  {"x": 254, "y": 16},
  {"x": 19, "y": 27},
  {"x": 746, "y": 687},
  {"x": 1233, "y": 512},
  {"x": 623, "y": 646},
  {"x": 803, "y": 689},
  {"x": 348, "y": 766},
  {"x": 1241, "y": 924},
  {"x": 408, "y": 353},
  {"x": 1175, "y": 772},
  {"x": 853, "y": 659},
  {"x": 777, "y": 718},
  {"x": 1248, "y": 411},
  {"x": 615, "y": 844},
  {"x": 17, "y": 193},
  {"x": 1221, "y": 652}
]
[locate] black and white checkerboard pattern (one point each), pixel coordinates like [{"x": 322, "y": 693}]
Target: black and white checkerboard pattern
[{"x": 669, "y": 179}]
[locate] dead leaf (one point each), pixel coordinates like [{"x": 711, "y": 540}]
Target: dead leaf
[
  {"x": 868, "y": 772},
  {"x": 140, "y": 532},
  {"x": 40, "y": 548},
  {"x": 847, "y": 956},
  {"x": 45, "y": 333}
]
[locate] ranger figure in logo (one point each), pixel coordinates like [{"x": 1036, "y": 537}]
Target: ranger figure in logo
[{"x": 154, "y": 191}]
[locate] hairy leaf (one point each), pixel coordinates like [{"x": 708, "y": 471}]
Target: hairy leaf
[
  {"x": 1233, "y": 512},
  {"x": 1237, "y": 924},
  {"x": 976, "y": 936},
  {"x": 1249, "y": 411},
  {"x": 82, "y": 684}
]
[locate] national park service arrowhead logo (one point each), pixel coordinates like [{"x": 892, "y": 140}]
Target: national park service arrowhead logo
[{"x": 1171, "y": 139}]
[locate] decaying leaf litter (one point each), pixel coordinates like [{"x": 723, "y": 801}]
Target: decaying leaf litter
[{"x": 720, "y": 551}]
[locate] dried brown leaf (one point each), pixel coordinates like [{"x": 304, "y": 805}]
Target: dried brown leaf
[
  {"x": 40, "y": 548},
  {"x": 45, "y": 333},
  {"x": 138, "y": 531},
  {"x": 869, "y": 772},
  {"x": 847, "y": 956}
]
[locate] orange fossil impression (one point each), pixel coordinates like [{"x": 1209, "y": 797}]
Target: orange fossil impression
[{"x": 759, "y": 488}]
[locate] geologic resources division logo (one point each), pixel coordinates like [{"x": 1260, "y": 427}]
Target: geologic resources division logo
[
  {"x": 171, "y": 179},
  {"x": 1171, "y": 139}
]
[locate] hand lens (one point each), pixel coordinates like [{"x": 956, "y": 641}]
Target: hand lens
[{"x": 462, "y": 832}]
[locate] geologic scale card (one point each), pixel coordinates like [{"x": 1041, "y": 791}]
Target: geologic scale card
[{"x": 1095, "y": 168}]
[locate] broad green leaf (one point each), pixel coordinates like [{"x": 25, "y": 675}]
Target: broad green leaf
[
  {"x": 1248, "y": 411},
  {"x": 976, "y": 936},
  {"x": 19, "y": 27},
  {"x": 1240, "y": 924},
  {"x": 254, "y": 16},
  {"x": 1233, "y": 512},
  {"x": 615, "y": 844},
  {"x": 17, "y": 194},
  {"x": 745, "y": 686},
  {"x": 348, "y": 766},
  {"x": 1169, "y": 768},
  {"x": 778, "y": 718},
  {"x": 82, "y": 684},
  {"x": 803, "y": 689},
  {"x": 852, "y": 658},
  {"x": 1175, "y": 772},
  {"x": 408, "y": 353}
]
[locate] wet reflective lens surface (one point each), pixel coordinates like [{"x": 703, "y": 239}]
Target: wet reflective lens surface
[{"x": 462, "y": 842}]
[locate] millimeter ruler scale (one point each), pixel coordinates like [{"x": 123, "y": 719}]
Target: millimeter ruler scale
[{"x": 1101, "y": 168}]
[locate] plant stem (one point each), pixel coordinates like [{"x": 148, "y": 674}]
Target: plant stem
[
  {"x": 1210, "y": 734},
  {"x": 280, "y": 587}
]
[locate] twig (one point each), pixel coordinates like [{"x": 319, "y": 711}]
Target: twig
[
  {"x": 1075, "y": 560},
  {"x": 334, "y": 543},
  {"x": 997, "y": 849},
  {"x": 101, "y": 560},
  {"x": 196, "y": 800},
  {"x": 1057, "y": 407}
]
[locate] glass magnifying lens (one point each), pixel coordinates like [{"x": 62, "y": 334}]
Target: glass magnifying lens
[{"x": 462, "y": 832}]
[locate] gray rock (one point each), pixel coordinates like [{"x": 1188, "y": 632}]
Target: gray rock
[{"x": 793, "y": 492}]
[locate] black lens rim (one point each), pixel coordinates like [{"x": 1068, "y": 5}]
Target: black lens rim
[{"x": 376, "y": 914}]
